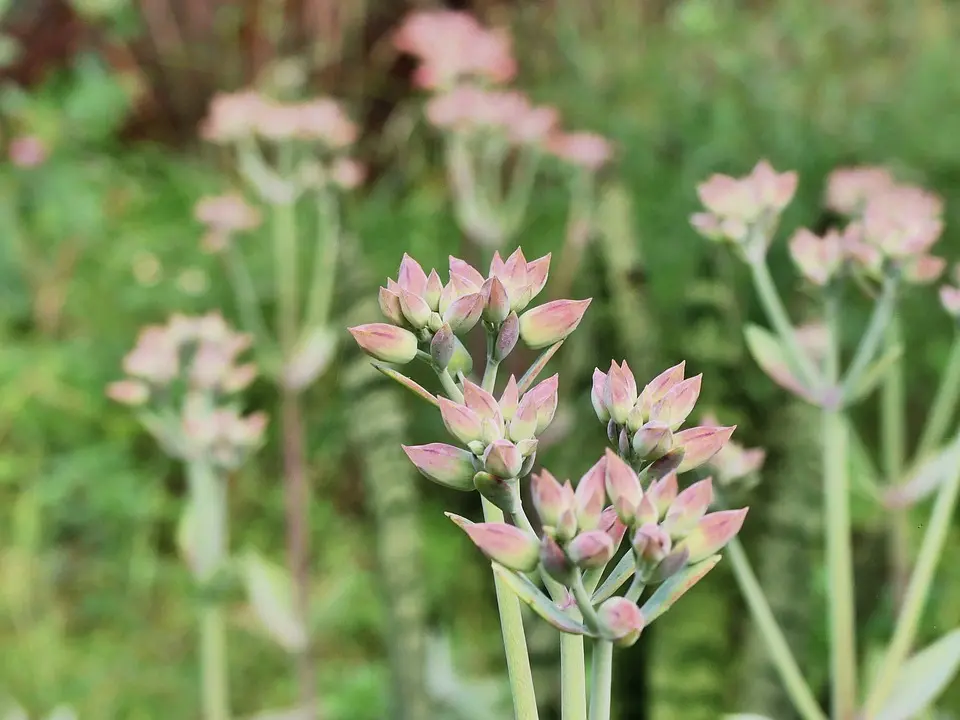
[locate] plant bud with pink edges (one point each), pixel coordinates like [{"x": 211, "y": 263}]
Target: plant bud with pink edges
[
  {"x": 591, "y": 496},
  {"x": 389, "y": 343},
  {"x": 621, "y": 621},
  {"x": 512, "y": 547},
  {"x": 623, "y": 488},
  {"x": 443, "y": 464},
  {"x": 688, "y": 507},
  {"x": 592, "y": 549},
  {"x": 699, "y": 444},
  {"x": 711, "y": 533},
  {"x": 547, "y": 324}
]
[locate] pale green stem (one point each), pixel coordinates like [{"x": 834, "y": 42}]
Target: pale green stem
[
  {"x": 514, "y": 638},
  {"x": 324, "y": 260},
  {"x": 285, "y": 267},
  {"x": 601, "y": 684},
  {"x": 893, "y": 440},
  {"x": 800, "y": 361},
  {"x": 489, "y": 381},
  {"x": 870, "y": 342},
  {"x": 783, "y": 660},
  {"x": 584, "y": 602},
  {"x": 917, "y": 593},
  {"x": 521, "y": 185},
  {"x": 213, "y": 662},
  {"x": 843, "y": 643},
  {"x": 246, "y": 295},
  {"x": 944, "y": 405},
  {"x": 449, "y": 386},
  {"x": 637, "y": 586}
]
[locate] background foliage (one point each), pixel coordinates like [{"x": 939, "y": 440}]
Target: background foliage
[{"x": 95, "y": 607}]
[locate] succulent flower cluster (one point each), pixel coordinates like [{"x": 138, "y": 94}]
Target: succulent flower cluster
[
  {"x": 644, "y": 425},
  {"x": 633, "y": 493},
  {"x": 427, "y": 316},
  {"x": 183, "y": 378}
]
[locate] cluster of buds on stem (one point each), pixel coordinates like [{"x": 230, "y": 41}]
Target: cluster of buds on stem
[
  {"x": 183, "y": 378},
  {"x": 645, "y": 425}
]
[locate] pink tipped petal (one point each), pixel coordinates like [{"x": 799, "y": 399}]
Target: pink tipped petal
[
  {"x": 590, "y": 496},
  {"x": 674, "y": 407},
  {"x": 386, "y": 342},
  {"x": 712, "y": 533},
  {"x": 503, "y": 459},
  {"x": 690, "y": 505},
  {"x": 663, "y": 492},
  {"x": 433, "y": 290},
  {"x": 547, "y": 324},
  {"x": 464, "y": 313},
  {"x": 466, "y": 270},
  {"x": 443, "y": 464},
  {"x": 549, "y": 498},
  {"x": 462, "y": 422},
  {"x": 496, "y": 301},
  {"x": 654, "y": 390},
  {"x": 482, "y": 403},
  {"x": 616, "y": 394},
  {"x": 596, "y": 396},
  {"x": 390, "y": 306},
  {"x": 623, "y": 487},
  {"x": 544, "y": 395},
  {"x": 700, "y": 444},
  {"x": 415, "y": 309},
  {"x": 524, "y": 423},
  {"x": 537, "y": 272},
  {"x": 510, "y": 399},
  {"x": 508, "y": 545},
  {"x": 592, "y": 549},
  {"x": 411, "y": 277},
  {"x": 621, "y": 621}
]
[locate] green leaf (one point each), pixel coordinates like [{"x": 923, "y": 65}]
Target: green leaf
[
  {"x": 872, "y": 376},
  {"x": 615, "y": 580},
  {"x": 923, "y": 678},
  {"x": 541, "y": 604},
  {"x": 675, "y": 587},
  {"x": 539, "y": 364},
  {"x": 271, "y": 596},
  {"x": 772, "y": 359},
  {"x": 925, "y": 478},
  {"x": 412, "y": 386}
]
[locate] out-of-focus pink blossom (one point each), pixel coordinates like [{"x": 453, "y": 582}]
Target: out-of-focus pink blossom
[
  {"x": 587, "y": 150},
  {"x": 231, "y": 116},
  {"x": 903, "y": 221},
  {"x": 453, "y": 46},
  {"x": 467, "y": 108},
  {"x": 849, "y": 189},
  {"x": 347, "y": 173},
  {"x": 27, "y": 151},
  {"x": 950, "y": 299},
  {"x": 923, "y": 269},
  {"x": 224, "y": 215},
  {"x": 818, "y": 259}
]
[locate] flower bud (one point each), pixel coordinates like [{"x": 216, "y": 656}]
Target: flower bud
[
  {"x": 443, "y": 464},
  {"x": 461, "y": 362},
  {"x": 613, "y": 431},
  {"x": 592, "y": 549},
  {"x": 547, "y": 324},
  {"x": 670, "y": 565},
  {"x": 129, "y": 392},
  {"x": 663, "y": 492},
  {"x": 435, "y": 322},
  {"x": 503, "y": 459},
  {"x": 524, "y": 423},
  {"x": 623, "y": 443},
  {"x": 712, "y": 532},
  {"x": 442, "y": 346},
  {"x": 386, "y": 342},
  {"x": 700, "y": 444},
  {"x": 623, "y": 487},
  {"x": 544, "y": 396},
  {"x": 415, "y": 309},
  {"x": 389, "y": 302},
  {"x": 652, "y": 441},
  {"x": 691, "y": 505},
  {"x": 507, "y": 337},
  {"x": 530, "y": 458},
  {"x": 411, "y": 276},
  {"x": 617, "y": 395},
  {"x": 590, "y": 496},
  {"x": 510, "y": 399},
  {"x": 464, "y": 313},
  {"x": 496, "y": 302},
  {"x": 596, "y": 396},
  {"x": 654, "y": 391},
  {"x": 510, "y": 546},
  {"x": 497, "y": 490},
  {"x": 431, "y": 295},
  {"x": 621, "y": 621},
  {"x": 674, "y": 407},
  {"x": 651, "y": 544},
  {"x": 555, "y": 561},
  {"x": 550, "y": 498},
  {"x": 461, "y": 422},
  {"x": 637, "y": 417},
  {"x": 611, "y": 525}
]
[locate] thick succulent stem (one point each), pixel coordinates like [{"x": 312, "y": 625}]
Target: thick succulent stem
[{"x": 601, "y": 683}]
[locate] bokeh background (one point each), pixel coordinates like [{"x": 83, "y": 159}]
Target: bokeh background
[{"x": 96, "y": 608}]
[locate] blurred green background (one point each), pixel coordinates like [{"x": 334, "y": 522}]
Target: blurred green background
[{"x": 96, "y": 608}]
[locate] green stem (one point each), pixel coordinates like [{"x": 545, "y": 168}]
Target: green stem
[
  {"x": 944, "y": 405},
  {"x": 637, "y": 586},
  {"x": 893, "y": 435},
  {"x": 246, "y": 296},
  {"x": 601, "y": 684},
  {"x": 800, "y": 361},
  {"x": 449, "y": 386},
  {"x": 324, "y": 260},
  {"x": 783, "y": 660},
  {"x": 514, "y": 639},
  {"x": 838, "y": 540},
  {"x": 213, "y": 663},
  {"x": 585, "y": 602},
  {"x": 917, "y": 593},
  {"x": 870, "y": 342},
  {"x": 489, "y": 381}
]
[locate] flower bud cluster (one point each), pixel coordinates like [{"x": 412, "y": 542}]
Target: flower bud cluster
[
  {"x": 183, "y": 377},
  {"x": 425, "y": 315},
  {"x": 645, "y": 425},
  {"x": 223, "y": 216},
  {"x": 743, "y": 211}
]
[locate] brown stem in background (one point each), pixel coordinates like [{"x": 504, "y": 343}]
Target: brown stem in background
[{"x": 297, "y": 500}]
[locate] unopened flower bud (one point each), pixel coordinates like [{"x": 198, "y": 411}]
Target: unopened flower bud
[
  {"x": 507, "y": 337},
  {"x": 651, "y": 544},
  {"x": 435, "y": 322},
  {"x": 462, "y": 422},
  {"x": 464, "y": 313},
  {"x": 596, "y": 396},
  {"x": 431, "y": 295},
  {"x": 613, "y": 431},
  {"x": 623, "y": 487},
  {"x": 524, "y": 423},
  {"x": 510, "y": 399},
  {"x": 712, "y": 532},
  {"x": 700, "y": 444},
  {"x": 663, "y": 492},
  {"x": 665, "y": 465},
  {"x": 550, "y": 498},
  {"x": 442, "y": 346},
  {"x": 415, "y": 309},
  {"x": 544, "y": 396},
  {"x": 636, "y": 418},
  {"x": 496, "y": 302},
  {"x": 674, "y": 407},
  {"x": 611, "y": 525},
  {"x": 555, "y": 561},
  {"x": 623, "y": 443},
  {"x": 690, "y": 505},
  {"x": 530, "y": 459},
  {"x": 619, "y": 392},
  {"x": 443, "y": 464},
  {"x": 461, "y": 362},
  {"x": 552, "y": 322},
  {"x": 652, "y": 441},
  {"x": 510, "y": 546},
  {"x": 654, "y": 390},
  {"x": 386, "y": 342},
  {"x": 592, "y": 549},
  {"x": 500, "y": 492},
  {"x": 590, "y": 496},
  {"x": 390, "y": 306},
  {"x": 621, "y": 621},
  {"x": 503, "y": 459}
]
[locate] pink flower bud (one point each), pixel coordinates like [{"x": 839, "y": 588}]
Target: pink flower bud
[
  {"x": 462, "y": 422},
  {"x": 619, "y": 393},
  {"x": 655, "y": 390},
  {"x": 700, "y": 444},
  {"x": 544, "y": 395},
  {"x": 651, "y": 544},
  {"x": 712, "y": 532},
  {"x": 596, "y": 396},
  {"x": 461, "y": 362},
  {"x": 464, "y": 313},
  {"x": 415, "y": 309},
  {"x": 443, "y": 464},
  {"x": 590, "y": 496},
  {"x": 663, "y": 492},
  {"x": 674, "y": 407},
  {"x": 510, "y": 398},
  {"x": 386, "y": 342},
  {"x": 442, "y": 346},
  {"x": 433, "y": 290},
  {"x": 621, "y": 621},
  {"x": 390, "y": 306},
  {"x": 483, "y": 404},
  {"x": 652, "y": 441},
  {"x": 411, "y": 276},
  {"x": 547, "y": 324},
  {"x": 510, "y": 546},
  {"x": 592, "y": 549},
  {"x": 496, "y": 301},
  {"x": 524, "y": 423},
  {"x": 554, "y": 560},
  {"x": 503, "y": 459},
  {"x": 818, "y": 259},
  {"x": 129, "y": 392},
  {"x": 623, "y": 487},
  {"x": 950, "y": 299},
  {"x": 507, "y": 337},
  {"x": 466, "y": 271},
  {"x": 550, "y": 498},
  {"x": 691, "y": 505},
  {"x": 537, "y": 273},
  {"x": 611, "y": 525}
]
